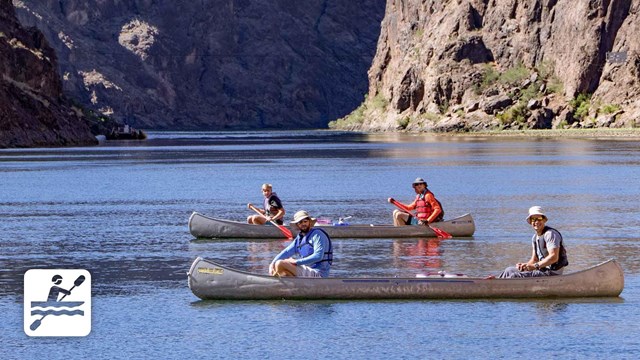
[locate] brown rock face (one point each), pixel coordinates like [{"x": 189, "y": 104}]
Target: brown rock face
[
  {"x": 33, "y": 111},
  {"x": 213, "y": 64},
  {"x": 439, "y": 60}
]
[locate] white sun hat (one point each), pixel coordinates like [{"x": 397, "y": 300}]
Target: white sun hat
[
  {"x": 301, "y": 215},
  {"x": 535, "y": 210}
]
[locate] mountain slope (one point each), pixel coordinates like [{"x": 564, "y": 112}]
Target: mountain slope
[
  {"x": 213, "y": 64},
  {"x": 33, "y": 111}
]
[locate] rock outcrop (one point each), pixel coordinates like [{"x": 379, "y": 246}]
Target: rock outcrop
[
  {"x": 468, "y": 65},
  {"x": 33, "y": 111},
  {"x": 215, "y": 64}
]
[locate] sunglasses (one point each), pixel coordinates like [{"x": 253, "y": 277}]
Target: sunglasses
[{"x": 534, "y": 219}]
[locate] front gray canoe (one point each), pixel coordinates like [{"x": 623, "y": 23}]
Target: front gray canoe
[
  {"x": 212, "y": 281},
  {"x": 201, "y": 226}
]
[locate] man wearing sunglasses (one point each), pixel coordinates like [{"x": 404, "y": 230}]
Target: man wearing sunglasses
[
  {"x": 310, "y": 254},
  {"x": 428, "y": 208},
  {"x": 548, "y": 255}
]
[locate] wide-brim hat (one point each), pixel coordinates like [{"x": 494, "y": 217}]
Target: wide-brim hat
[
  {"x": 419, "y": 181},
  {"x": 535, "y": 210},
  {"x": 301, "y": 215}
]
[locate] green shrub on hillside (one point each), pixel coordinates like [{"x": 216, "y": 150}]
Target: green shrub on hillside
[
  {"x": 489, "y": 77},
  {"x": 517, "y": 113},
  {"x": 609, "y": 109},
  {"x": 355, "y": 118},
  {"x": 581, "y": 105},
  {"x": 515, "y": 75},
  {"x": 530, "y": 92},
  {"x": 379, "y": 102},
  {"x": 403, "y": 122}
]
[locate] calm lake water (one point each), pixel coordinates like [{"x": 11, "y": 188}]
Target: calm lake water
[{"x": 121, "y": 210}]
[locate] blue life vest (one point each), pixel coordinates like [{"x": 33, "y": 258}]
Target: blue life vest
[{"x": 305, "y": 248}]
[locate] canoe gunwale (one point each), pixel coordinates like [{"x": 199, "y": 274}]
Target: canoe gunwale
[
  {"x": 202, "y": 226},
  {"x": 602, "y": 280}
]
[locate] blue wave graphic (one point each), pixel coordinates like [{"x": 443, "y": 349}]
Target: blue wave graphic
[
  {"x": 55, "y": 304},
  {"x": 57, "y": 312}
]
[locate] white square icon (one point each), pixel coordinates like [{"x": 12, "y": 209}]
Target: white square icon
[{"x": 57, "y": 302}]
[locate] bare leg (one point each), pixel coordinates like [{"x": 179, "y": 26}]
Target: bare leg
[
  {"x": 284, "y": 268},
  {"x": 256, "y": 219}
]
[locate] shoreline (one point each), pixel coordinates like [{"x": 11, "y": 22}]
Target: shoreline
[
  {"x": 555, "y": 133},
  {"x": 619, "y": 133}
]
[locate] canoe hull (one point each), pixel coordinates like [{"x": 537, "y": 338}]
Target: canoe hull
[
  {"x": 201, "y": 226},
  {"x": 211, "y": 281}
]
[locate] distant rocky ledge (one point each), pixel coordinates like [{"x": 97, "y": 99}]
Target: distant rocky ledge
[
  {"x": 472, "y": 65},
  {"x": 33, "y": 110}
]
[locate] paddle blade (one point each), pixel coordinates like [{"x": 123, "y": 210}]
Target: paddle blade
[
  {"x": 441, "y": 233},
  {"x": 285, "y": 231},
  {"x": 35, "y": 324},
  {"x": 79, "y": 280}
]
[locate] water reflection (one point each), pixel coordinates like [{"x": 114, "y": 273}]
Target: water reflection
[{"x": 422, "y": 254}]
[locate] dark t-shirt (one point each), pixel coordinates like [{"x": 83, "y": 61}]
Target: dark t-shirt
[{"x": 271, "y": 205}]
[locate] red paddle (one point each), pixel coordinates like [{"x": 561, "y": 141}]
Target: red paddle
[
  {"x": 439, "y": 232},
  {"x": 284, "y": 230}
]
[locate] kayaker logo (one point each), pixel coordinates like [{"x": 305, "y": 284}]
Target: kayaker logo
[{"x": 57, "y": 302}]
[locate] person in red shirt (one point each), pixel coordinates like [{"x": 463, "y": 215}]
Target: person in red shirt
[{"x": 428, "y": 208}]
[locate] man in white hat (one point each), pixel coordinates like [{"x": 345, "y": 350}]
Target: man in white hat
[
  {"x": 548, "y": 255},
  {"x": 310, "y": 254},
  {"x": 428, "y": 208}
]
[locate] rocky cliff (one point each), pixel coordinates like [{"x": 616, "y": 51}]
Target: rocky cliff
[
  {"x": 33, "y": 111},
  {"x": 213, "y": 64},
  {"x": 464, "y": 65}
]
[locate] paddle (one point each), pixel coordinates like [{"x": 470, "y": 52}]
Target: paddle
[
  {"x": 284, "y": 230},
  {"x": 78, "y": 282},
  {"x": 439, "y": 232}
]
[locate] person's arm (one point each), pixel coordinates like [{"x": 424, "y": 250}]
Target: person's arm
[
  {"x": 278, "y": 215},
  {"x": 320, "y": 243},
  {"x": 411, "y": 206},
  {"x": 276, "y": 203},
  {"x": 287, "y": 252},
  {"x": 437, "y": 209},
  {"x": 529, "y": 264},
  {"x": 552, "y": 241},
  {"x": 552, "y": 258}
]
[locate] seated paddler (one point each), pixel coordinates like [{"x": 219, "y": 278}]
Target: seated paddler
[
  {"x": 548, "y": 254},
  {"x": 310, "y": 254},
  {"x": 272, "y": 208},
  {"x": 427, "y": 208}
]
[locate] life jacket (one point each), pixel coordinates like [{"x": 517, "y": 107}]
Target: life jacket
[
  {"x": 271, "y": 210},
  {"x": 424, "y": 209},
  {"x": 563, "y": 260},
  {"x": 305, "y": 248},
  {"x": 268, "y": 208}
]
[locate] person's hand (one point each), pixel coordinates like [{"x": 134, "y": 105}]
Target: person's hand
[
  {"x": 272, "y": 270},
  {"x": 268, "y": 218},
  {"x": 423, "y": 222}
]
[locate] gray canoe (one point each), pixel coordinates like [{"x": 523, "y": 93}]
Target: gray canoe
[
  {"x": 202, "y": 226},
  {"x": 209, "y": 280}
]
